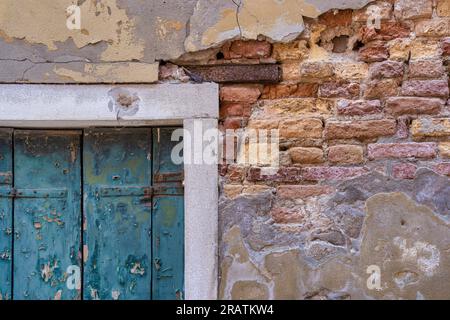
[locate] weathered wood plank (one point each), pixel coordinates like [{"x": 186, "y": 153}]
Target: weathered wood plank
[
  {"x": 117, "y": 235},
  {"x": 168, "y": 220},
  {"x": 5, "y": 214},
  {"x": 47, "y": 224}
]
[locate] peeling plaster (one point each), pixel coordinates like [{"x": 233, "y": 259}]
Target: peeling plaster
[
  {"x": 45, "y": 23},
  {"x": 33, "y": 36},
  {"x": 215, "y": 22}
]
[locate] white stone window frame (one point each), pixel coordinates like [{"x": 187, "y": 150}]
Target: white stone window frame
[{"x": 82, "y": 106}]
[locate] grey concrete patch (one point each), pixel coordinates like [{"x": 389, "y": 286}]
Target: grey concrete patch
[{"x": 398, "y": 226}]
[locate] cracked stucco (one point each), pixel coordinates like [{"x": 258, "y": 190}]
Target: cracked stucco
[
  {"x": 279, "y": 20},
  {"x": 34, "y": 38},
  {"x": 398, "y": 226}
]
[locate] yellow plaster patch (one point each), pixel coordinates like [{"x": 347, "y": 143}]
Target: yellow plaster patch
[
  {"x": 45, "y": 23},
  {"x": 226, "y": 25}
]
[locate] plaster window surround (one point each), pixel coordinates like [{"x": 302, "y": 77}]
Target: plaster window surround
[{"x": 81, "y": 106}]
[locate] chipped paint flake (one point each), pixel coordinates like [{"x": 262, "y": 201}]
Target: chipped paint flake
[
  {"x": 48, "y": 270},
  {"x": 137, "y": 269},
  {"x": 58, "y": 295},
  {"x": 115, "y": 294}
]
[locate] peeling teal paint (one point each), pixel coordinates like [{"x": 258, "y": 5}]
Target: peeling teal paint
[
  {"x": 133, "y": 215},
  {"x": 47, "y": 213},
  {"x": 122, "y": 241},
  {"x": 168, "y": 220},
  {"x": 5, "y": 213}
]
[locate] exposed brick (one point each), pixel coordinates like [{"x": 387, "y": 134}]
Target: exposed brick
[
  {"x": 234, "y": 109},
  {"x": 430, "y": 128},
  {"x": 233, "y": 123},
  {"x": 381, "y": 88},
  {"x": 331, "y": 173},
  {"x": 248, "y": 49},
  {"x": 301, "y": 128},
  {"x": 346, "y": 154},
  {"x": 360, "y": 129},
  {"x": 426, "y": 69},
  {"x": 263, "y": 124},
  {"x": 413, "y": 9},
  {"x": 402, "y": 150},
  {"x": 403, "y": 123},
  {"x": 443, "y": 8},
  {"x": 296, "y": 50},
  {"x": 236, "y": 173},
  {"x": 316, "y": 70},
  {"x": 294, "y": 107},
  {"x": 412, "y": 105},
  {"x": 425, "y": 49},
  {"x": 399, "y": 49},
  {"x": 240, "y": 93},
  {"x": 389, "y": 30},
  {"x": 446, "y": 47},
  {"x": 351, "y": 70},
  {"x": 373, "y": 52},
  {"x": 358, "y": 107},
  {"x": 339, "y": 89},
  {"x": 404, "y": 171},
  {"x": 425, "y": 88},
  {"x": 386, "y": 69},
  {"x": 306, "y": 155},
  {"x": 444, "y": 149},
  {"x": 385, "y": 10},
  {"x": 443, "y": 168},
  {"x": 433, "y": 28},
  {"x": 302, "y": 191},
  {"x": 285, "y": 174},
  {"x": 341, "y": 18},
  {"x": 290, "y": 71},
  {"x": 290, "y": 91}
]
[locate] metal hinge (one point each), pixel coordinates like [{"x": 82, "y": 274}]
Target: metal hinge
[{"x": 148, "y": 192}]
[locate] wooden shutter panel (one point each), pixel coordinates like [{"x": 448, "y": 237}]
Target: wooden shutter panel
[
  {"x": 47, "y": 213},
  {"x": 168, "y": 220},
  {"x": 117, "y": 181},
  {"x": 6, "y": 225}
]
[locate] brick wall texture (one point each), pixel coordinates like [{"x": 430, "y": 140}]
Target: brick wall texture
[{"x": 364, "y": 120}]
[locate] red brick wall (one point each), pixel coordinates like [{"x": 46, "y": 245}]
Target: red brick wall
[{"x": 364, "y": 122}]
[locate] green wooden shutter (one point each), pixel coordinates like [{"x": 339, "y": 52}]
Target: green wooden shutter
[
  {"x": 47, "y": 213},
  {"x": 117, "y": 180},
  {"x": 168, "y": 220},
  {"x": 131, "y": 231},
  {"x": 5, "y": 213}
]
